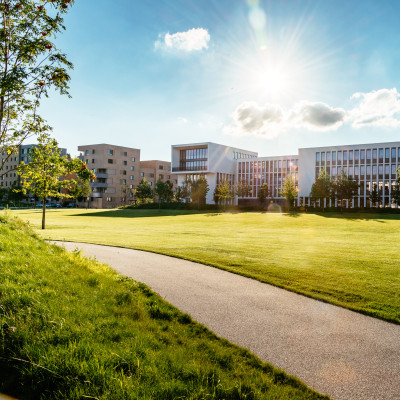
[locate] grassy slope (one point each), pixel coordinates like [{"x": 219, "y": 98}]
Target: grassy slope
[
  {"x": 71, "y": 328},
  {"x": 352, "y": 261}
]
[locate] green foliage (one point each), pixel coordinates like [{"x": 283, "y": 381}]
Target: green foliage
[
  {"x": 30, "y": 67},
  {"x": 395, "y": 193},
  {"x": 224, "y": 191},
  {"x": 374, "y": 196},
  {"x": 143, "y": 192},
  {"x": 289, "y": 191},
  {"x": 199, "y": 190},
  {"x": 344, "y": 187},
  {"x": 322, "y": 187},
  {"x": 71, "y": 328},
  {"x": 263, "y": 193},
  {"x": 164, "y": 191},
  {"x": 242, "y": 189}
]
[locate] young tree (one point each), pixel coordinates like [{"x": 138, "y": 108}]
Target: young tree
[
  {"x": 344, "y": 188},
  {"x": 322, "y": 188},
  {"x": 30, "y": 67},
  {"x": 289, "y": 191},
  {"x": 199, "y": 190},
  {"x": 46, "y": 173},
  {"x": 374, "y": 196},
  {"x": 224, "y": 191},
  {"x": 164, "y": 191},
  {"x": 178, "y": 194},
  {"x": 263, "y": 194},
  {"x": 396, "y": 192},
  {"x": 185, "y": 189},
  {"x": 144, "y": 192},
  {"x": 242, "y": 189}
]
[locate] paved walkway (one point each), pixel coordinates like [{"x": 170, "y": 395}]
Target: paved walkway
[{"x": 338, "y": 352}]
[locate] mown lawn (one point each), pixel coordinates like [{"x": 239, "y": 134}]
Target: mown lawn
[
  {"x": 71, "y": 328},
  {"x": 350, "y": 260}
]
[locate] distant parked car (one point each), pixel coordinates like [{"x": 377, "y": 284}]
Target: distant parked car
[
  {"x": 53, "y": 205},
  {"x": 69, "y": 205}
]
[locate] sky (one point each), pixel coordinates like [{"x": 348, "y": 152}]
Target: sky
[{"x": 268, "y": 76}]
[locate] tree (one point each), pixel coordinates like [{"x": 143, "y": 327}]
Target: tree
[
  {"x": 30, "y": 67},
  {"x": 15, "y": 192},
  {"x": 185, "y": 189},
  {"x": 374, "y": 196},
  {"x": 242, "y": 189},
  {"x": 199, "y": 190},
  {"x": 178, "y": 194},
  {"x": 322, "y": 187},
  {"x": 164, "y": 191},
  {"x": 289, "y": 191},
  {"x": 396, "y": 192},
  {"x": 80, "y": 190},
  {"x": 344, "y": 188},
  {"x": 143, "y": 192},
  {"x": 263, "y": 193},
  {"x": 224, "y": 191},
  {"x": 46, "y": 174}
]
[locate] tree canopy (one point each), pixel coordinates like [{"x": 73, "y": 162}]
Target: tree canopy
[
  {"x": 289, "y": 191},
  {"x": 143, "y": 191},
  {"x": 322, "y": 187},
  {"x": 224, "y": 191},
  {"x": 30, "y": 67}
]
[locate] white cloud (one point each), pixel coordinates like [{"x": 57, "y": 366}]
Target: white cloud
[
  {"x": 379, "y": 108},
  {"x": 182, "y": 120},
  {"x": 270, "y": 119},
  {"x": 194, "y": 39},
  {"x": 316, "y": 116}
]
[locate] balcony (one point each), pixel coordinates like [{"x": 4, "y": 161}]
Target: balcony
[
  {"x": 97, "y": 195},
  {"x": 99, "y": 185},
  {"x": 188, "y": 169},
  {"x": 101, "y": 175}
]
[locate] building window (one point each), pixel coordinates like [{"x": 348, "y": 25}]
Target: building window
[
  {"x": 123, "y": 172},
  {"x": 133, "y": 159},
  {"x": 109, "y": 199},
  {"x": 93, "y": 160},
  {"x": 175, "y": 182},
  {"x": 110, "y": 161},
  {"x": 125, "y": 154},
  {"x": 142, "y": 174},
  {"x": 124, "y": 163},
  {"x": 93, "y": 151},
  {"x": 132, "y": 168},
  {"x": 151, "y": 175},
  {"x": 86, "y": 152},
  {"x": 131, "y": 177},
  {"x": 160, "y": 167},
  {"x": 161, "y": 176},
  {"x": 124, "y": 181},
  {"x": 151, "y": 183},
  {"x": 168, "y": 177},
  {"x": 110, "y": 152}
]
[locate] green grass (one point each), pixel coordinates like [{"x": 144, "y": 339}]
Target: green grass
[
  {"x": 72, "y": 328},
  {"x": 349, "y": 260}
]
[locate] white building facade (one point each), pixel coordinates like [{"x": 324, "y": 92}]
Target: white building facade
[{"x": 369, "y": 164}]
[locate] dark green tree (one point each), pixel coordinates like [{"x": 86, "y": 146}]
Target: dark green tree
[
  {"x": 374, "y": 196},
  {"x": 396, "y": 192},
  {"x": 263, "y": 193},
  {"x": 199, "y": 190},
  {"x": 322, "y": 188},
  {"x": 344, "y": 188},
  {"x": 31, "y": 66},
  {"x": 143, "y": 192},
  {"x": 164, "y": 191}
]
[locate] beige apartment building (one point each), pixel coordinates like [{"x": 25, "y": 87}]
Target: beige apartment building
[{"x": 118, "y": 171}]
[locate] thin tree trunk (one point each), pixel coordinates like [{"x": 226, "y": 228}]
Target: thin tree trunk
[{"x": 44, "y": 214}]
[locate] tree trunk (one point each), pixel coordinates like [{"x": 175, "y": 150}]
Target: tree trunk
[{"x": 44, "y": 214}]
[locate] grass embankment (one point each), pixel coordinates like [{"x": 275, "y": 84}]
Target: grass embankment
[
  {"x": 71, "y": 328},
  {"x": 349, "y": 260}
]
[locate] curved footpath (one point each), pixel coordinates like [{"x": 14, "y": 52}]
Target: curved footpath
[{"x": 337, "y": 352}]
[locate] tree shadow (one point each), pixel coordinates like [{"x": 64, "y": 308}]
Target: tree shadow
[
  {"x": 359, "y": 216},
  {"x": 145, "y": 213}
]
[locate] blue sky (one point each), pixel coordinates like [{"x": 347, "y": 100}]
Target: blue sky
[{"x": 268, "y": 76}]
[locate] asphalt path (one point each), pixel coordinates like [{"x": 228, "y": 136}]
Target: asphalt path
[{"x": 346, "y": 355}]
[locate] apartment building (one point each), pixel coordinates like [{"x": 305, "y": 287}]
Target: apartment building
[
  {"x": 10, "y": 177},
  {"x": 118, "y": 171},
  {"x": 369, "y": 164}
]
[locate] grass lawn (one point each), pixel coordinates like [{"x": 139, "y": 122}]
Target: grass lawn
[
  {"x": 71, "y": 328},
  {"x": 351, "y": 260}
]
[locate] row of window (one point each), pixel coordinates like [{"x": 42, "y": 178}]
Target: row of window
[
  {"x": 267, "y": 166},
  {"x": 194, "y": 154},
  {"x": 361, "y": 156},
  {"x": 361, "y": 171},
  {"x": 193, "y": 165},
  {"x": 238, "y": 156}
]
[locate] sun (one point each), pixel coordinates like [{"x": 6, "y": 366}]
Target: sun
[{"x": 272, "y": 81}]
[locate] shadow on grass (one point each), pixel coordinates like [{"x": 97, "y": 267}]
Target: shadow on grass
[
  {"x": 376, "y": 217},
  {"x": 141, "y": 213}
]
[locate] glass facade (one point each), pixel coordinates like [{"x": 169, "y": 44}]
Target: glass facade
[{"x": 195, "y": 159}]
